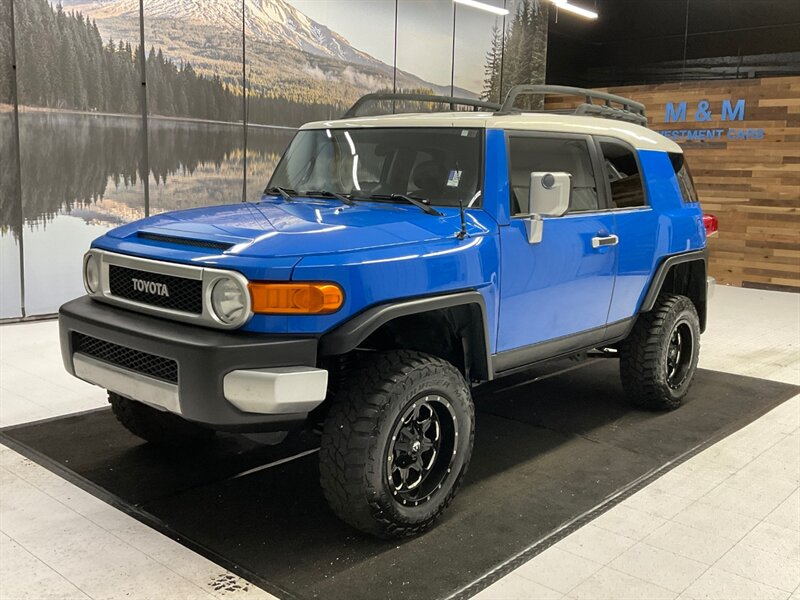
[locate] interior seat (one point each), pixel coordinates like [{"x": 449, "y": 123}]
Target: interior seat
[
  {"x": 430, "y": 179},
  {"x": 566, "y": 157}
]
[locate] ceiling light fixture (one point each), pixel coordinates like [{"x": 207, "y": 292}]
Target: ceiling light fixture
[
  {"x": 565, "y": 5},
  {"x": 483, "y": 6}
]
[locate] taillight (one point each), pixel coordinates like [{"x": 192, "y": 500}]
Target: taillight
[{"x": 711, "y": 224}]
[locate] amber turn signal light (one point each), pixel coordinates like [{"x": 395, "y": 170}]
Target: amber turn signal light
[{"x": 296, "y": 298}]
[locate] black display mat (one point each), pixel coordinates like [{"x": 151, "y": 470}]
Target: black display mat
[{"x": 547, "y": 453}]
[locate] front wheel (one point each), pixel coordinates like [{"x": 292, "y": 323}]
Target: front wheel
[
  {"x": 156, "y": 426},
  {"x": 396, "y": 443},
  {"x": 659, "y": 358}
]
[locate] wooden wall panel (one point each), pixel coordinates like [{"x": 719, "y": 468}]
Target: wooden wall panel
[{"x": 752, "y": 186}]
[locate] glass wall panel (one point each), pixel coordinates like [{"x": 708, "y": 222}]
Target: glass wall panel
[
  {"x": 478, "y": 53},
  {"x": 10, "y": 298},
  {"x": 424, "y": 46},
  {"x": 194, "y": 163},
  {"x": 324, "y": 55},
  {"x": 525, "y": 48},
  {"x": 10, "y": 208},
  {"x": 309, "y": 60},
  {"x": 10, "y": 218},
  {"x": 79, "y": 140},
  {"x": 265, "y": 146},
  {"x": 194, "y": 102},
  {"x": 82, "y": 136}
]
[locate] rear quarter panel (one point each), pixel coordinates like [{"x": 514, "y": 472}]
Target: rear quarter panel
[{"x": 647, "y": 236}]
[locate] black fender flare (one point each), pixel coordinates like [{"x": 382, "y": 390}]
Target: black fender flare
[
  {"x": 348, "y": 335},
  {"x": 666, "y": 264}
]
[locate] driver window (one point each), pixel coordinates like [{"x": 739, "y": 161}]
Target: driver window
[{"x": 530, "y": 153}]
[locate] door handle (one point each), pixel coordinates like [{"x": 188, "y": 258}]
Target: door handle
[{"x": 608, "y": 240}]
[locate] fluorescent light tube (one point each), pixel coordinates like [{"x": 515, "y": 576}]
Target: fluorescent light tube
[
  {"x": 483, "y": 6},
  {"x": 565, "y": 5}
]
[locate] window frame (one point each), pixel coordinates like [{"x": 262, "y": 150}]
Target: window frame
[
  {"x": 688, "y": 171},
  {"x": 598, "y": 139},
  {"x": 594, "y": 156}
]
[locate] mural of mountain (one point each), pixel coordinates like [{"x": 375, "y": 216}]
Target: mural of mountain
[{"x": 289, "y": 55}]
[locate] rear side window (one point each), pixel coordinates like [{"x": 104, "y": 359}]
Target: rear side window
[
  {"x": 684, "y": 176},
  {"x": 530, "y": 153},
  {"x": 622, "y": 172}
]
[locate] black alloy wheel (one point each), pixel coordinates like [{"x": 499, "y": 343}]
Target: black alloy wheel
[
  {"x": 658, "y": 360},
  {"x": 422, "y": 449},
  {"x": 679, "y": 354},
  {"x": 396, "y": 442}
]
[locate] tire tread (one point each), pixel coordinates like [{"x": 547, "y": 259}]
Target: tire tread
[
  {"x": 639, "y": 354},
  {"x": 155, "y": 426},
  {"x": 353, "y": 423}
]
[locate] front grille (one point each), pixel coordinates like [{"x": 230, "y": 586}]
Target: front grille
[
  {"x": 151, "y": 365},
  {"x": 171, "y": 239},
  {"x": 176, "y": 293}
]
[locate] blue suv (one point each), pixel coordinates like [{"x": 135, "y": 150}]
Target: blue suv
[{"x": 393, "y": 263}]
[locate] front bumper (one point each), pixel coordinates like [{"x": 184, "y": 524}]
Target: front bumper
[{"x": 228, "y": 381}]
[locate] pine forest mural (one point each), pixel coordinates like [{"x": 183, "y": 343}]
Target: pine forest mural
[
  {"x": 79, "y": 166},
  {"x": 518, "y": 54},
  {"x": 66, "y": 65}
]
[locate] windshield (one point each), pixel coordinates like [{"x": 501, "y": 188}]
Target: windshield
[{"x": 439, "y": 165}]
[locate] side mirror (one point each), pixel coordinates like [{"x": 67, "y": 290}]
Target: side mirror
[
  {"x": 548, "y": 196},
  {"x": 549, "y": 193}
]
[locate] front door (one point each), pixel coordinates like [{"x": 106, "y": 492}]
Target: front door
[{"x": 561, "y": 285}]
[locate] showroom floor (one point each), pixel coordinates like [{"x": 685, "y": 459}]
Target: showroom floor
[{"x": 724, "y": 524}]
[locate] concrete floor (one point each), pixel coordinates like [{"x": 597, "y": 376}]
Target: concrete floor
[{"x": 725, "y": 524}]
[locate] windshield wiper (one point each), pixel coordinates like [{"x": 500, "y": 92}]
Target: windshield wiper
[
  {"x": 327, "y": 194},
  {"x": 285, "y": 193},
  {"x": 422, "y": 205}
]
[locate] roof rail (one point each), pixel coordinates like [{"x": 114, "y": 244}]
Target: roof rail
[
  {"x": 630, "y": 111},
  {"x": 452, "y": 101}
]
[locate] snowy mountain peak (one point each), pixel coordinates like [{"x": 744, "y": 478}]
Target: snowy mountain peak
[
  {"x": 265, "y": 20},
  {"x": 189, "y": 29}
]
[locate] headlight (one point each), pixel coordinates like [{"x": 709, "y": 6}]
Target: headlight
[
  {"x": 228, "y": 300},
  {"x": 91, "y": 273}
]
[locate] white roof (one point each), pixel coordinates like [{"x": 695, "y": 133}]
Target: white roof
[{"x": 639, "y": 137}]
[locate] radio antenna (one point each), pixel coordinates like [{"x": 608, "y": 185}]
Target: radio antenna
[{"x": 463, "y": 232}]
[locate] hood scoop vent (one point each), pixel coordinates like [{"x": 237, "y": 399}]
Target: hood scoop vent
[{"x": 182, "y": 241}]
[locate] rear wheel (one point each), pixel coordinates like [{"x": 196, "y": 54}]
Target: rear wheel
[
  {"x": 659, "y": 359},
  {"x": 156, "y": 426},
  {"x": 396, "y": 443}
]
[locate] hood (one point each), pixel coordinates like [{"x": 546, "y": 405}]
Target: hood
[{"x": 274, "y": 228}]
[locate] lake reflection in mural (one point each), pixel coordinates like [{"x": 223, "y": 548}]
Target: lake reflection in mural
[
  {"x": 307, "y": 60},
  {"x": 10, "y": 213},
  {"x": 81, "y": 175}
]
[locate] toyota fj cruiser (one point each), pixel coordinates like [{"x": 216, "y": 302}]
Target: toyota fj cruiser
[{"x": 392, "y": 263}]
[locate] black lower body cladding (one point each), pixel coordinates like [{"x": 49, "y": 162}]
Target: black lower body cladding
[{"x": 203, "y": 356}]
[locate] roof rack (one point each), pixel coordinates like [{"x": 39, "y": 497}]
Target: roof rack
[
  {"x": 452, "y": 101},
  {"x": 630, "y": 111}
]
